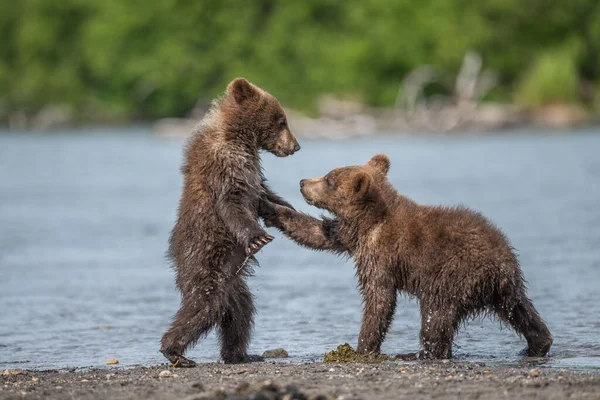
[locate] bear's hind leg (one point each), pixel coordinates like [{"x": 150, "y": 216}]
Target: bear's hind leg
[
  {"x": 195, "y": 317},
  {"x": 236, "y": 324},
  {"x": 525, "y": 319},
  {"x": 438, "y": 326}
]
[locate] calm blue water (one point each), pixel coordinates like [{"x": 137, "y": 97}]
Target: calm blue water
[{"x": 85, "y": 217}]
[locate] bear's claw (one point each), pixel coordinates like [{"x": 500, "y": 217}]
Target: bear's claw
[
  {"x": 258, "y": 243},
  {"x": 179, "y": 361}
]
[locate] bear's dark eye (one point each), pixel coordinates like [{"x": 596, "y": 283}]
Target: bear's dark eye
[
  {"x": 282, "y": 123},
  {"x": 330, "y": 182}
]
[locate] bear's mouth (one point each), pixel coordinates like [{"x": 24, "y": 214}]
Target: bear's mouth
[
  {"x": 308, "y": 200},
  {"x": 280, "y": 152}
]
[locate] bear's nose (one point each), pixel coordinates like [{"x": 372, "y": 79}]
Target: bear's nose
[
  {"x": 296, "y": 147},
  {"x": 302, "y": 182}
]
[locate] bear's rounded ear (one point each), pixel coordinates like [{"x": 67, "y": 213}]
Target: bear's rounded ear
[
  {"x": 380, "y": 162},
  {"x": 361, "y": 184},
  {"x": 241, "y": 90}
]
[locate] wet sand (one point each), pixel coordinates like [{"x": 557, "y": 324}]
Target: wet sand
[{"x": 389, "y": 380}]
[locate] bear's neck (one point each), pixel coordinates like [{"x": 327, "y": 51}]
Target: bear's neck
[
  {"x": 241, "y": 141},
  {"x": 356, "y": 226}
]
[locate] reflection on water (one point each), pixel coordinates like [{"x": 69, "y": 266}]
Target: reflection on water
[{"x": 85, "y": 216}]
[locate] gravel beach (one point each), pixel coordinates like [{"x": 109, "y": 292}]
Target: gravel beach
[{"x": 273, "y": 380}]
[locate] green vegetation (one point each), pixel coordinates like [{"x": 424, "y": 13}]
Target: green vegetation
[
  {"x": 115, "y": 59},
  {"x": 346, "y": 354},
  {"x": 553, "y": 79}
]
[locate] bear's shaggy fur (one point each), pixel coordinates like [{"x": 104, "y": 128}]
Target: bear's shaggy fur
[
  {"x": 453, "y": 260},
  {"x": 217, "y": 230}
]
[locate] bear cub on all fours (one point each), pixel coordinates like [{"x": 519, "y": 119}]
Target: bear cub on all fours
[
  {"x": 217, "y": 230},
  {"x": 453, "y": 260}
]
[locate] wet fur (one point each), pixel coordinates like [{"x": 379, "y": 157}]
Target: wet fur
[
  {"x": 217, "y": 230},
  {"x": 453, "y": 260}
]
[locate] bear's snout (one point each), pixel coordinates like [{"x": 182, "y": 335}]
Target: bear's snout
[{"x": 302, "y": 181}]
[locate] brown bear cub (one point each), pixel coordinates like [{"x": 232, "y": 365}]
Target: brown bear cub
[
  {"x": 217, "y": 230},
  {"x": 454, "y": 261}
]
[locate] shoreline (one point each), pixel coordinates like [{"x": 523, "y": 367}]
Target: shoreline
[
  {"x": 340, "y": 121},
  {"x": 388, "y": 380}
]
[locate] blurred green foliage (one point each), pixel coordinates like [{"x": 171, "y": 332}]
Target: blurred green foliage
[
  {"x": 147, "y": 59},
  {"x": 552, "y": 79}
]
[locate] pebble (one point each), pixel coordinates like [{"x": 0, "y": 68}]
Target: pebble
[
  {"x": 275, "y": 353},
  {"x": 35, "y": 379},
  {"x": 12, "y": 372},
  {"x": 165, "y": 374},
  {"x": 534, "y": 373},
  {"x": 112, "y": 361}
]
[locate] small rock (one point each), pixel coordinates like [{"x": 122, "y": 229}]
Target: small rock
[
  {"x": 165, "y": 374},
  {"x": 12, "y": 372},
  {"x": 534, "y": 373},
  {"x": 35, "y": 379},
  {"x": 198, "y": 386},
  {"x": 449, "y": 378},
  {"x": 275, "y": 353},
  {"x": 112, "y": 361}
]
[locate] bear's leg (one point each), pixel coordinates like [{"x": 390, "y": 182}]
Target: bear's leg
[
  {"x": 196, "y": 316},
  {"x": 438, "y": 325},
  {"x": 236, "y": 324},
  {"x": 379, "y": 297},
  {"x": 525, "y": 319}
]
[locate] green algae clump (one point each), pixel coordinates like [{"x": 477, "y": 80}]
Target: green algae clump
[{"x": 346, "y": 354}]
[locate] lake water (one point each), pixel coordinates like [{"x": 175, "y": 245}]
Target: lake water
[{"x": 85, "y": 218}]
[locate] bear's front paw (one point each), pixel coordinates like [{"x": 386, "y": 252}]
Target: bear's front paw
[
  {"x": 266, "y": 210},
  {"x": 258, "y": 243}
]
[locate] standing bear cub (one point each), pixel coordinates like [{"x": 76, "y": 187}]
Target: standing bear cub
[
  {"x": 454, "y": 261},
  {"x": 217, "y": 230}
]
